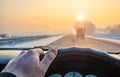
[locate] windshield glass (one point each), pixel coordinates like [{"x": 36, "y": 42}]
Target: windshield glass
[{"x": 60, "y": 23}]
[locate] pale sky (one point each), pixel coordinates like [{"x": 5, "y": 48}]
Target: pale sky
[{"x": 31, "y": 17}]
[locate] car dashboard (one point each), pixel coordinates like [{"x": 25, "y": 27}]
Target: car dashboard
[{"x": 75, "y": 62}]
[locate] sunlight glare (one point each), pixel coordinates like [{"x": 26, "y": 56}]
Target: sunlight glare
[{"x": 81, "y": 17}]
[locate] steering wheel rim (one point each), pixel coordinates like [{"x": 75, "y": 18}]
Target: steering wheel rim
[
  {"x": 90, "y": 52},
  {"x": 73, "y": 51}
]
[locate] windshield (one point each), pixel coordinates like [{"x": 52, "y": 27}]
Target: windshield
[{"x": 60, "y": 23}]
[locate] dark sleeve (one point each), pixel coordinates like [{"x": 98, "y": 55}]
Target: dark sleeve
[{"x": 7, "y": 74}]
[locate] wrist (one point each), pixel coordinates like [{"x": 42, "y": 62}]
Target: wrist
[
  {"x": 7, "y": 74},
  {"x": 16, "y": 73}
]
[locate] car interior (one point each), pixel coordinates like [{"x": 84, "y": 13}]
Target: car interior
[
  {"x": 86, "y": 34},
  {"x": 75, "y": 62}
]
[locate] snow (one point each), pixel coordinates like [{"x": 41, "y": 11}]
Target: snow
[
  {"x": 41, "y": 42},
  {"x": 46, "y": 41},
  {"x": 105, "y": 39},
  {"x": 109, "y": 36}
]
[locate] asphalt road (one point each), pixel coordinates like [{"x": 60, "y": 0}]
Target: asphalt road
[{"x": 71, "y": 40}]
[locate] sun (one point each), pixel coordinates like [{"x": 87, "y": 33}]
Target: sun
[{"x": 81, "y": 17}]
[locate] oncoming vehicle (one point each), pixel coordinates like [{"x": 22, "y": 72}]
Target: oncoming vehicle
[
  {"x": 46, "y": 24},
  {"x": 80, "y": 29},
  {"x": 80, "y": 32}
]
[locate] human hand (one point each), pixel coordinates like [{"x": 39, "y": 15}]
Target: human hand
[{"x": 28, "y": 64}]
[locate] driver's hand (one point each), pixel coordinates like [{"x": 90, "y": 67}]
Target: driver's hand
[{"x": 28, "y": 64}]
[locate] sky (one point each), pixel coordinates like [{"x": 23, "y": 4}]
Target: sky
[{"x": 33, "y": 17}]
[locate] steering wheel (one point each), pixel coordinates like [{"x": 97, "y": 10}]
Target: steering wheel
[{"x": 83, "y": 62}]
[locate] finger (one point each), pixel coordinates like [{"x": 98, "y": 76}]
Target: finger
[
  {"x": 24, "y": 51},
  {"x": 54, "y": 51},
  {"x": 12, "y": 59},
  {"x": 36, "y": 51},
  {"x": 49, "y": 57}
]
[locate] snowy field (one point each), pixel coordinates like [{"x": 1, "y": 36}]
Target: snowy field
[
  {"x": 41, "y": 42},
  {"x": 115, "y": 37},
  {"x": 106, "y": 37}
]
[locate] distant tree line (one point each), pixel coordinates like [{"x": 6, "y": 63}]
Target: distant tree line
[
  {"x": 5, "y": 36},
  {"x": 90, "y": 27},
  {"x": 114, "y": 30}
]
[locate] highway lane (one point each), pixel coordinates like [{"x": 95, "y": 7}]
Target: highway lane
[{"x": 71, "y": 40}]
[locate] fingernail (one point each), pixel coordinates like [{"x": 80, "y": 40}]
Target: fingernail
[{"x": 54, "y": 51}]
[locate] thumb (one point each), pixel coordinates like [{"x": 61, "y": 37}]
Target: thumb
[{"x": 47, "y": 60}]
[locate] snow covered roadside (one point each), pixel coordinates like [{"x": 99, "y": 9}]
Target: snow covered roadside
[
  {"x": 105, "y": 39},
  {"x": 41, "y": 42},
  {"x": 109, "y": 36}
]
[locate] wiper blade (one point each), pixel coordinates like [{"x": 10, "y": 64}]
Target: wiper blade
[
  {"x": 45, "y": 48},
  {"x": 15, "y": 48},
  {"x": 113, "y": 52}
]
